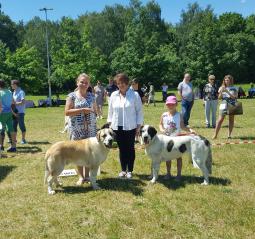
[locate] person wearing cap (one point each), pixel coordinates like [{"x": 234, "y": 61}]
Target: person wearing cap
[
  {"x": 185, "y": 90},
  {"x": 210, "y": 96},
  {"x": 171, "y": 124}
]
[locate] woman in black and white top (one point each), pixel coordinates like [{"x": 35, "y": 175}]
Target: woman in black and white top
[
  {"x": 125, "y": 116},
  {"x": 210, "y": 95},
  {"x": 228, "y": 93}
]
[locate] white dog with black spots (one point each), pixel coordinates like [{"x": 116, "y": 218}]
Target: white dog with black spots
[{"x": 161, "y": 148}]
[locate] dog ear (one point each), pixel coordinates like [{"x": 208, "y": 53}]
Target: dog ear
[
  {"x": 114, "y": 135},
  {"x": 98, "y": 135},
  {"x": 152, "y": 131},
  {"x": 106, "y": 126},
  {"x": 141, "y": 129}
]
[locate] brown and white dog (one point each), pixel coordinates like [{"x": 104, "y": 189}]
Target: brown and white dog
[
  {"x": 89, "y": 152},
  {"x": 162, "y": 148}
]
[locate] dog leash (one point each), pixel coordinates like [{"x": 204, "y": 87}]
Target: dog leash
[
  {"x": 213, "y": 144},
  {"x": 234, "y": 143}
]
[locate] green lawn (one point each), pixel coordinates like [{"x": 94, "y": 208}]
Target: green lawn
[{"x": 130, "y": 208}]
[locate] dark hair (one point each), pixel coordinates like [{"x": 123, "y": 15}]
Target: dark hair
[
  {"x": 121, "y": 78},
  {"x": 15, "y": 82},
  {"x": 90, "y": 89},
  {"x": 2, "y": 83},
  {"x": 135, "y": 81}
]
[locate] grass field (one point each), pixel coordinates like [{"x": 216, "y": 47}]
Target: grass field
[{"x": 130, "y": 208}]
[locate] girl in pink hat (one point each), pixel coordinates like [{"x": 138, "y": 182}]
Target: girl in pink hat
[{"x": 171, "y": 124}]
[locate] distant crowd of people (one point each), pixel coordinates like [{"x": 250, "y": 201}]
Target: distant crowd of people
[{"x": 84, "y": 106}]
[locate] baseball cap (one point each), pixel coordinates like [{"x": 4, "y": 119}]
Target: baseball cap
[{"x": 171, "y": 100}]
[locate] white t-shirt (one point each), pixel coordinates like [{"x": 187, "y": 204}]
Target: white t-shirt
[
  {"x": 164, "y": 88},
  {"x": 171, "y": 123},
  {"x": 186, "y": 91}
]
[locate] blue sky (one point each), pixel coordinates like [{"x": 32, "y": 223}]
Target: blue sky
[{"x": 171, "y": 9}]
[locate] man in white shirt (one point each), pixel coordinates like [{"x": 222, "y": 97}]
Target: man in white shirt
[{"x": 185, "y": 90}]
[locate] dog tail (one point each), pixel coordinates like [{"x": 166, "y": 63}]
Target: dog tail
[{"x": 47, "y": 172}]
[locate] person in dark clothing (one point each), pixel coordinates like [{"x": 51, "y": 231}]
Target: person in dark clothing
[{"x": 135, "y": 87}]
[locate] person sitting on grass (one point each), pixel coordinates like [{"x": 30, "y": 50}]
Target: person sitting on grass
[{"x": 171, "y": 123}]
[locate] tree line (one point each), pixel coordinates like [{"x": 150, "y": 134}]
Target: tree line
[{"x": 133, "y": 39}]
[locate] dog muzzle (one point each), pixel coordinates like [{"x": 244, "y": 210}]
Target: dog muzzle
[{"x": 146, "y": 140}]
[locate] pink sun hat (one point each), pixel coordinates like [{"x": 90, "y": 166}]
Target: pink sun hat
[{"x": 171, "y": 100}]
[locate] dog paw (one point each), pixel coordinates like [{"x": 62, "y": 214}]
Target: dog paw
[
  {"x": 59, "y": 185},
  {"x": 96, "y": 188},
  {"x": 153, "y": 181},
  {"x": 205, "y": 183},
  {"x": 51, "y": 192}
]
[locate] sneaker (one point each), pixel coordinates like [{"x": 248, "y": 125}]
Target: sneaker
[
  {"x": 178, "y": 178},
  {"x": 23, "y": 141},
  {"x": 122, "y": 174},
  {"x": 129, "y": 175},
  {"x": 11, "y": 150}
]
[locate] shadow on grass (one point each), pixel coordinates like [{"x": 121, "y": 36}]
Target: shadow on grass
[
  {"x": 123, "y": 185},
  {"x": 226, "y": 126},
  {"x": 74, "y": 189},
  {"x": 109, "y": 184},
  {"x": 29, "y": 149},
  {"x": 38, "y": 142},
  {"x": 185, "y": 180},
  {"x": 245, "y": 138},
  {"x": 204, "y": 127},
  {"x": 5, "y": 170}
]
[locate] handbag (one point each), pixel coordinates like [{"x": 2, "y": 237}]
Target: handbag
[{"x": 236, "y": 109}]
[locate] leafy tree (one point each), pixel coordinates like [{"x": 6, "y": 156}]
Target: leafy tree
[
  {"x": 8, "y": 32},
  {"x": 231, "y": 23},
  {"x": 140, "y": 55},
  {"x": 106, "y": 29},
  {"x": 236, "y": 56},
  {"x": 73, "y": 54},
  {"x": 3, "y": 56},
  {"x": 26, "y": 66}
]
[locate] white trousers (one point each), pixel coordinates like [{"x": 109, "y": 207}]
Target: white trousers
[{"x": 210, "y": 107}]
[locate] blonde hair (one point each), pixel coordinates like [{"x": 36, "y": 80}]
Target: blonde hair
[
  {"x": 81, "y": 76},
  {"x": 211, "y": 77},
  {"x": 227, "y": 77}
]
